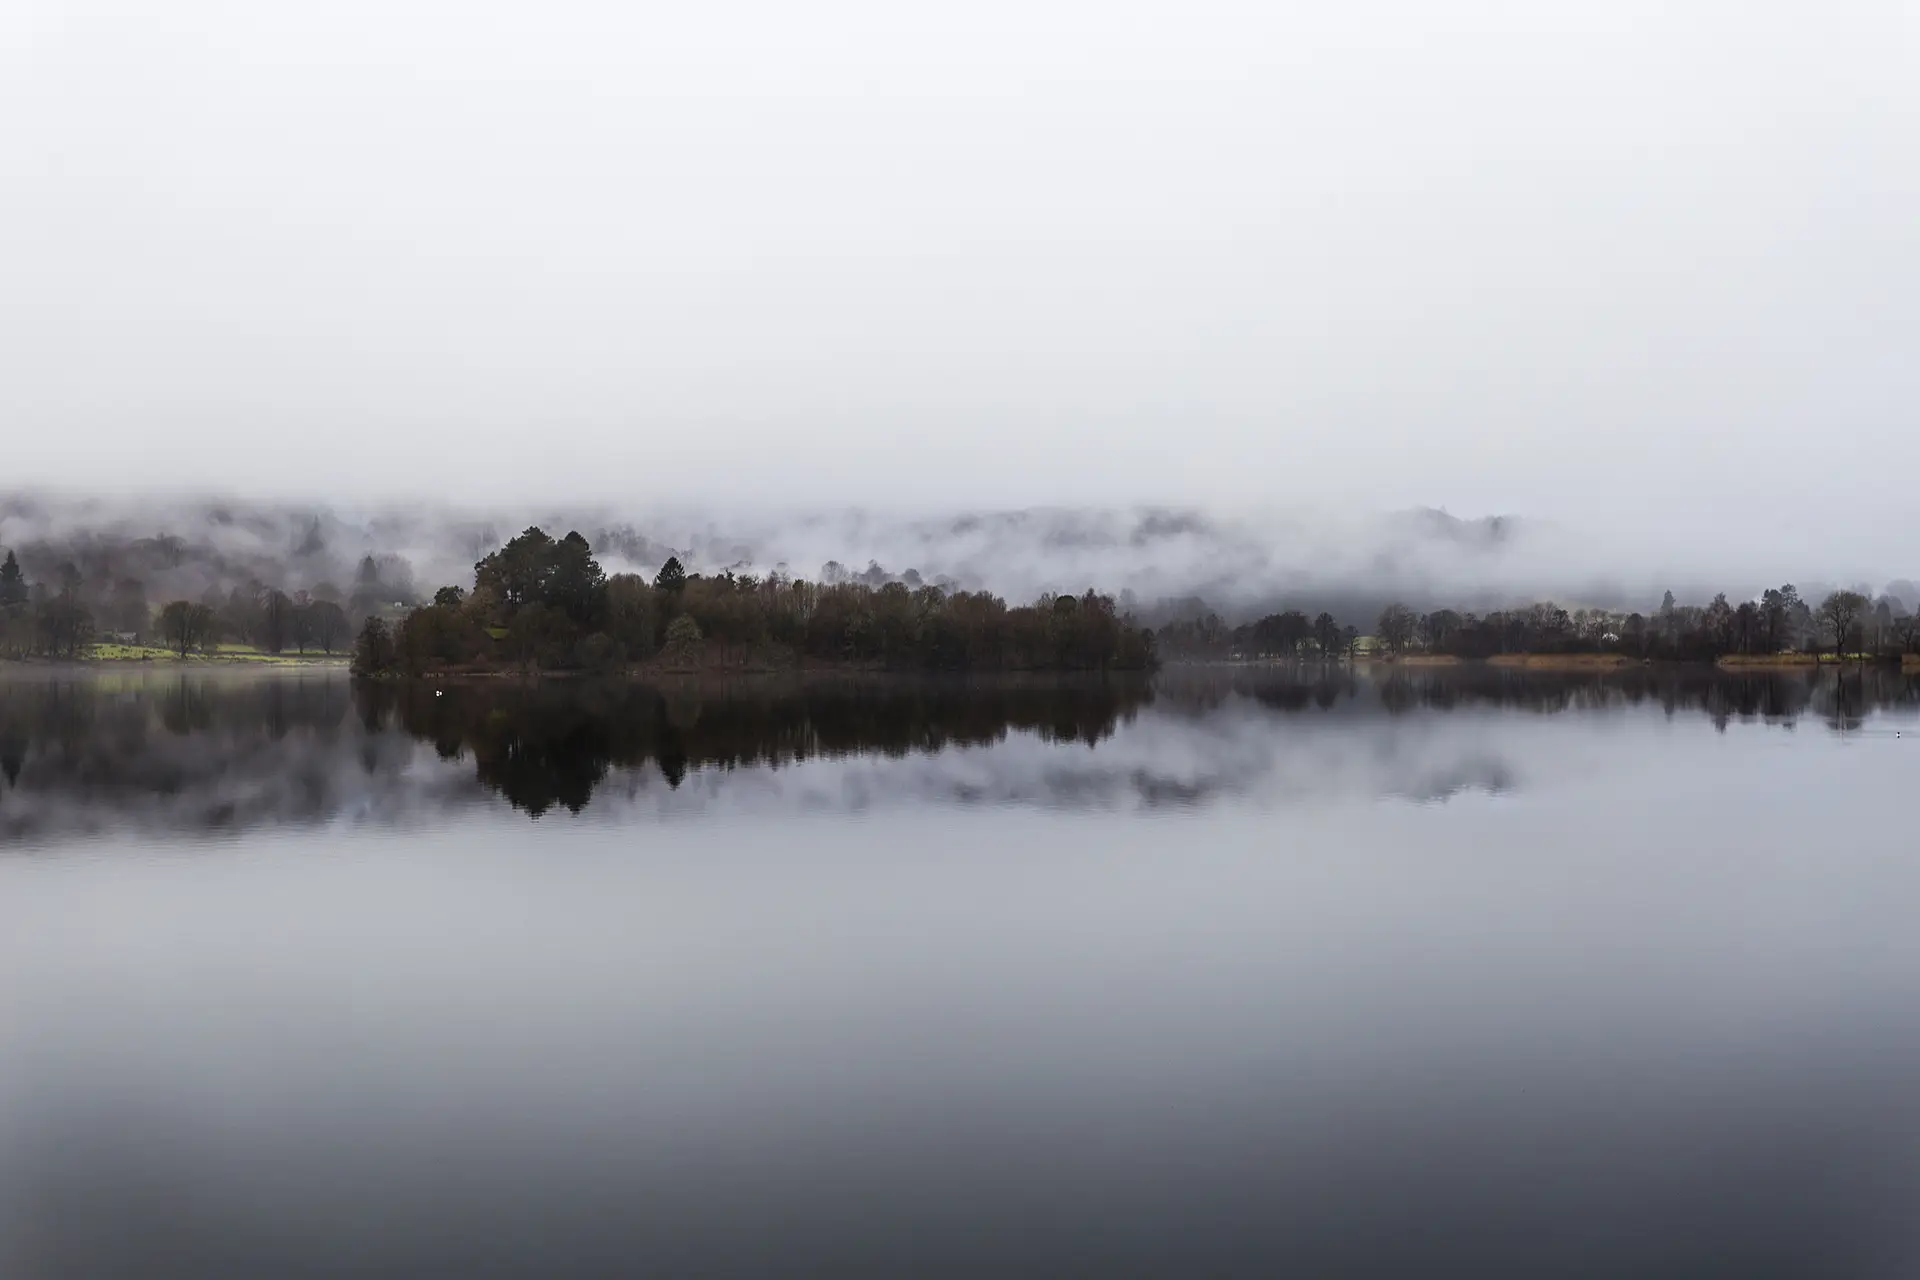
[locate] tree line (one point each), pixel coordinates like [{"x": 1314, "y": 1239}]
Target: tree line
[
  {"x": 1291, "y": 634},
  {"x": 41, "y": 620},
  {"x": 1843, "y": 623},
  {"x": 545, "y": 603},
  {"x": 66, "y": 617}
]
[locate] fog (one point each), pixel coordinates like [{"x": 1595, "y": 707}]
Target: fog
[
  {"x": 1162, "y": 561},
  {"x": 1641, "y": 272}
]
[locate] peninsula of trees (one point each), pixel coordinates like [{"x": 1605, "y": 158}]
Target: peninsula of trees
[{"x": 541, "y": 603}]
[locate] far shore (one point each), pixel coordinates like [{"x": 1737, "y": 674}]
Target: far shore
[
  {"x": 174, "y": 662},
  {"x": 214, "y": 660},
  {"x": 110, "y": 655},
  {"x": 659, "y": 669},
  {"x": 1589, "y": 662}
]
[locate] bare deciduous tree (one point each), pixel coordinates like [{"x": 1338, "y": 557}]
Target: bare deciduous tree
[{"x": 1839, "y": 617}]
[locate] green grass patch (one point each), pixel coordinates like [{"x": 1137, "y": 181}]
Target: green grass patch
[
  {"x": 288, "y": 659},
  {"x": 228, "y": 653},
  {"x": 132, "y": 653}
]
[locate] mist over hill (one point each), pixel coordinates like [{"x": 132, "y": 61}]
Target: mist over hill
[{"x": 1161, "y": 560}]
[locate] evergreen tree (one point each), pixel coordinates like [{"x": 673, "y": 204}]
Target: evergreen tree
[
  {"x": 672, "y": 578},
  {"x": 575, "y": 584},
  {"x": 368, "y": 594},
  {"x": 13, "y": 584}
]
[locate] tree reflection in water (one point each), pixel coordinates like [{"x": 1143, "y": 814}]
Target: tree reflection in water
[
  {"x": 542, "y": 745},
  {"x": 210, "y": 753}
]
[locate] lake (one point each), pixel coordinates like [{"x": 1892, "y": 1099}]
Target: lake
[{"x": 1237, "y": 971}]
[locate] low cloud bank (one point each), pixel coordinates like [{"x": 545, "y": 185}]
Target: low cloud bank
[{"x": 1160, "y": 556}]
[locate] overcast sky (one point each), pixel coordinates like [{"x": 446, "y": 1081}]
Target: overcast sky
[{"x": 1649, "y": 261}]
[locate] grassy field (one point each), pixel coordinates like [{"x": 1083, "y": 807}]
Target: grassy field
[
  {"x": 221, "y": 653},
  {"x": 131, "y": 653}
]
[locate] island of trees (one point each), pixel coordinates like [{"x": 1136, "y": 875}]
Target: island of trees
[{"x": 541, "y": 603}]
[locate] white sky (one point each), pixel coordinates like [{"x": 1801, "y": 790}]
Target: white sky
[{"x": 1635, "y": 261}]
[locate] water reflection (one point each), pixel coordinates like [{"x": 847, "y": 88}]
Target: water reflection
[
  {"x": 205, "y": 754},
  {"x": 1841, "y": 699},
  {"x": 1641, "y": 1012},
  {"x": 547, "y": 745}
]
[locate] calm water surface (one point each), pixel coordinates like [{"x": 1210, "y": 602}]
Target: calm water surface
[{"x": 1259, "y": 973}]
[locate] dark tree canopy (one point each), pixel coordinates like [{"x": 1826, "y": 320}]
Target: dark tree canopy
[
  {"x": 1777, "y": 621},
  {"x": 672, "y": 577},
  {"x": 66, "y": 628},
  {"x": 542, "y": 603},
  {"x": 13, "y": 583},
  {"x": 534, "y": 569},
  {"x": 186, "y": 626},
  {"x": 276, "y": 621},
  {"x": 576, "y": 586},
  {"x": 328, "y": 625},
  {"x": 1396, "y": 627},
  {"x": 1840, "y": 615},
  {"x": 373, "y": 651},
  {"x": 515, "y": 573}
]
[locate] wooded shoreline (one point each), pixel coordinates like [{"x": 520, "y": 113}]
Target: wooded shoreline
[
  {"x": 1580, "y": 662},
  {"x": 1599, "y": 664},
  {"x": 544, "y": 604}
]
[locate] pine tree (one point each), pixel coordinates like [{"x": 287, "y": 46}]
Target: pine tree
[
  {"x": 13, "y": 584},
  {"x": 672, "y": 577}
]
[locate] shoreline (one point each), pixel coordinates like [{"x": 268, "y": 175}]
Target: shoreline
[
  {"x": 1599, "y": 663},
  {"x": 264, "y": 662},
  {"x": 1586, "y": 663},
  {"x": 647, "y": 672}
]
